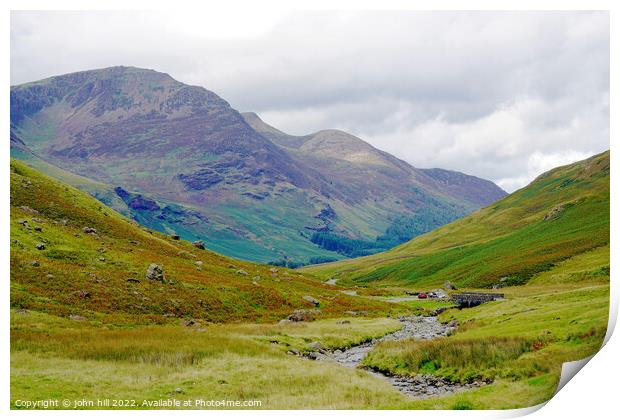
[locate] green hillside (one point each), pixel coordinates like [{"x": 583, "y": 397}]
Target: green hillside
[
  {"x": 92, "y": 262},
  {"x": 563, "y": 213}
]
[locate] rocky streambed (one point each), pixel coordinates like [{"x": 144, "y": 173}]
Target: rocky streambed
[{"x": 419, "y": 386}]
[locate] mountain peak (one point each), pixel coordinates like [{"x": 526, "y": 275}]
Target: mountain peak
[{"x": 327, "y": 144}]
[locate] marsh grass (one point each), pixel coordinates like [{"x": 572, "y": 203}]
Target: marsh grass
[
  {"x": 456, "y": 360},
  {"x": 51, "y": 356},
  {"x": 180, "y": 346}
]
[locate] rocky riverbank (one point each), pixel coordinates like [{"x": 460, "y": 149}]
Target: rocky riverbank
[{"x": 419, "y": 386}]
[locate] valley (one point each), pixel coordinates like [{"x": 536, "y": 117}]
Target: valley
[
  {"x": 221, "y": 206},
  {"x": 102, "y": 307}
]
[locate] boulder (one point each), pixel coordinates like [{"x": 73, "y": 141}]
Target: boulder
[
  {"x": 35, "y": 264},
  {"x": 87, "y": 229},
  {"x": 554, "y": 212},
  {"x": 29, "y": 210},
  {"x": 175, "y": 236},
  {"x": 242, "y": 272},
  {"x": 40, "y": 246},
  {"x": 304, "y": 315},
  {"x": 155, "y": 272},
  {"x": 199, "y": 244},
  {"x": 316, "y": 346},
  {"x": 189, "y": 323},
  {"x": 312, "y": 300},
  {"x": 77, "y": 318}
]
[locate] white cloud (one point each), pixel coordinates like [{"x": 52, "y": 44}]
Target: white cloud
[
  {"x": 512, "y": 145},
  {"x": 538, "y": 163}
]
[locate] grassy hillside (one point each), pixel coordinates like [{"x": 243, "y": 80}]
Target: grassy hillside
[
  {"x": 87, "y": 324},
  {"x": 563, "y": 213},
  {"x": 101, "y": 275}
]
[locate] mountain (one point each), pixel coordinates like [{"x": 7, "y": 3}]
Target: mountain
[
  {"x": 343, "y": 156},
  {"x": 71, "y": 255},
  {"x": 562, "y": 214},
  {"x": 180, "y": 159}
]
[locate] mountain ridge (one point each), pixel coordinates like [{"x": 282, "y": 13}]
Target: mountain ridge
[
  {"x": 443, "y": 177},
  {"x": 144, "y": 132}
]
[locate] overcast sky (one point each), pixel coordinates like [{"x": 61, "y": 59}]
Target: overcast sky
[{"x": 500, "y": 95}]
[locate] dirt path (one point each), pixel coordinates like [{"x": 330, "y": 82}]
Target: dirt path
[{"x": 419, "y": 386}]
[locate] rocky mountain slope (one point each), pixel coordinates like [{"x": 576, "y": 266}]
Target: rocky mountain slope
[
  {"x": 562, "y": 214},
  {"x": 180, "y": 159}
]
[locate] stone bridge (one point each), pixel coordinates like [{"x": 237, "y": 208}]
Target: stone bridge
[{"x": 469, "y": 299}]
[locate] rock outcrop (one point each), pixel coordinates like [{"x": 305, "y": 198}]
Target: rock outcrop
[{"x": 155, "y": 272}]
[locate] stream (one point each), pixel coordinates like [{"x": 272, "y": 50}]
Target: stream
[{"x": 417, "y": 387}]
